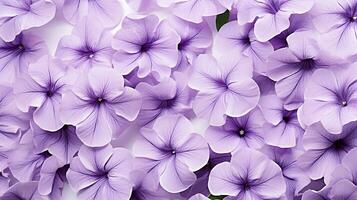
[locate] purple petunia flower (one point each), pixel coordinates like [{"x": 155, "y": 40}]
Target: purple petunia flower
[
  {"x": 224, "y": 89},
  {"x": 237, "y": 133},
  {"x": 298, "y": 22},
  {"x": 324, "y": 150},
  {"x": 200, "y": 186},
  {"x": 147, "y": 44},
  {"x": 23, "y": 190},
  {"x": 12, "y": 120},
  {"x": 272, "y": 16},
  {"x": 336, "y": 20},
  {"x": 195, "y": 10},
  {"x": 98, "y": 105},
  {"x": 282, "y": 127},
  {"x": 233, "y": 39},
  {"x": 249, "y": 175},
  {"x": 346, "y": 170},
  {"x": 17, "y": 16},
  {"x": 167, "y": 96},
  {"x": 198, "y": 197},
  {"x": 293, "y": 67},
  {"x": 174, "y": 152},
  {"x": 316, "y": 195},
  {"x": 25, "y": 163},
  {"x": 63, "y": 143},
  {"x": 42, "y": 88},
  {"x": 195, "y": 40},
  {"x": 331, "y": 97},
  {"x": 343, "y": 189},
  {"x": 101, "y": 173},
  {"x": 108, "y": 12},
  {"x": 88, "y": 46},
  {"x": 294, "y": 177},
  {"x": 15, "y": 56},
  {"x": 52, "y": 178}
]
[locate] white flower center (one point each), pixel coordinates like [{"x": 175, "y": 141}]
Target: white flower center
[{"x": 241, "y": 132}]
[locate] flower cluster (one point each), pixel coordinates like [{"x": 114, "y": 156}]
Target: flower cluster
[{"x": 179, "y": 100}]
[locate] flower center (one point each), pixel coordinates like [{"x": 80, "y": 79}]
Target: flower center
[
  {"x": 145, "y": 47},
  {"x": 183, "y": 44},
  {"x": 339, "y": 144},
  {"x": 273, "y": 6},
  {"x": 91, "y": 55},
  {"x": 308, "y": 63},
  {"x": 20, "y": 47},
  {"x": 100, "y": 100},
  {"x": 173, "y": 152},
  {"x": 241, "y": 132},
  {"x": 344, "y": 103}
]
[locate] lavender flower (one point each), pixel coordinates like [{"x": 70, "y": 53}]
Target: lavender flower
[
  {"x": 237, "y": 133},
  {"x": 12, "y": 120},
  {"x": 293, "y": 67},
  {"x": 25, "y": 163},
  {"x": 23, "y": 190},
  {"x": 233, "y": 38},
  {"x": 294, "y": 177},
  {"x": 147, "y": 44},
  {"x": 324, "y": 151},
  {"x": 167, "y": 96},
  {"x": 52, "y": 178},
  {"x": 282, "y": 127},
  {"x": 108, "y": 12},
  {"x": 63, "y": 143},
  {"x": 195, "y": 40},
  {"x": 42, "y": 88},
  {"x": 331, "y": 98},
  {"x": 88, "y": 46},
  {"x": 224, "y": 89},
  {"x": 195, "y": 10},
  {"x": 15, "y": 56},
  {"x": 272, "y": 16},
  {"x": 98, "y": 105},
  {"x": 250, "y": 174},
  {"x": 336, "y": 20},
  {"x": 17, "y": 16},
  {"x": 346, "y": 170},
  {"x": 101, "y": 173},
  {"x": 174, "y": 150}
]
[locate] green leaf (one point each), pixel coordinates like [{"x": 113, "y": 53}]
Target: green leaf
[
  {"x": 222, "y": 19},
  {"x": 216, "y": 197}
]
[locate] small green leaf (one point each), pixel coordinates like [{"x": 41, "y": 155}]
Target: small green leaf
[
  {"x": 216, "y": 197},
  {"x": 222, "y": 19}
]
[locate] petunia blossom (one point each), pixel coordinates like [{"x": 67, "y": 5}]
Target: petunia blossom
[
  {"x": 52, "y": 178},
  {"x": 98, "y": 105},
  {"x": 324, "y": 150},
  {"x": 249, "y": 175},
  {"x": 42, "y": 88},
  {"x": 169, "y": 96},
  {"x": 292, "y": 67},
  {"x": 271, "y": 16},
  {"x": 346, "y": 170},
  {"x": 15, "y": 56},
  {"x": 25, "y": 163},
  {"x": 23, "y": 190},
  {"x": 282, "y": 127},
  {"x": 148, "y": 44},
  {"x": 101, "y": 173},
  {"x": 195, "y": 10},
  {"x": 233, "y": 39},
  {"x": 63, "y": 143},
  {"x": 108, "y": 12},
  {"x": 195, "y": 39},
  {"x": 89, "y": 45},
  {"x": 17, "y": 16},
  {"x": 224, "y": 88},
  {"x": 331, "y": 98},
  {"x": 237, "y": 133},
  {"x": 336, "y": 20},
  {"x": 173, "y": 150},
  {"x": 294, "y": 177},
  {"x": 12, "y": 121}
]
